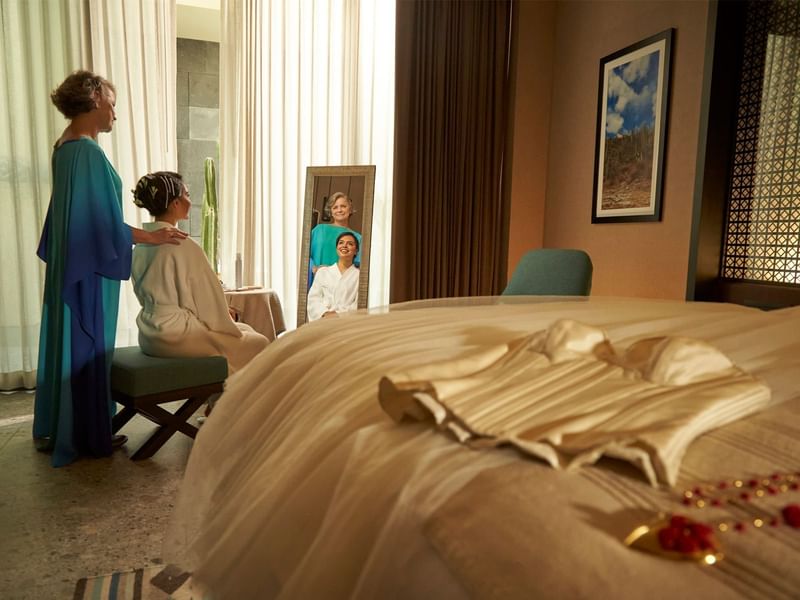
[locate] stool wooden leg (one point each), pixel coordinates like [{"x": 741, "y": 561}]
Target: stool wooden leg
[
  {"x": 169, "y": 424},
  {"x": 119, "y": 420},
  {"x": 176, "y": 420}
]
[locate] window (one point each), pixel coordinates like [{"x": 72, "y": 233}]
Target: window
[
  {"x": 762, "y": 235},
  {"x": 752, "y": 170}
]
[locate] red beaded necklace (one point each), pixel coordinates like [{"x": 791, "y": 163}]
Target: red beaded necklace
[
  {"x": 741, "y": 492},
  {"x": 678, "y": 536}
]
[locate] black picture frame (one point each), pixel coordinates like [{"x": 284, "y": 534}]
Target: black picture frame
[{"x": 632, "y": 115}]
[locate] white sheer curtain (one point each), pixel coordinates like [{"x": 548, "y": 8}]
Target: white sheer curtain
[
  {"x": 302, "y": 83},
  {"x": 132, "y": 43},
  {"x": 41, "y": 43}
]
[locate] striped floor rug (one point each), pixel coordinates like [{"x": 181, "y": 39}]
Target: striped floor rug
[{"x": 154, "y": 583}]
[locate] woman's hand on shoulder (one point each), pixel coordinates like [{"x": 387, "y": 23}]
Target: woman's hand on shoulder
[{"x": 167, "y": 235}]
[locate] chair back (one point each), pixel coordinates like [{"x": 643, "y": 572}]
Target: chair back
[{"x": 552, "y": 272}]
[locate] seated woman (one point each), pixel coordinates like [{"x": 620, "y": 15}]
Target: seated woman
[
  {"x": 184, "y": 312},
  {"x": 323, "y": 236},
  {"x": 335, "y": 288}
]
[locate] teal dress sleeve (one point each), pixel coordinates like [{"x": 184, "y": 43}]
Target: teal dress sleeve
[{"x": 98, "y": 240}]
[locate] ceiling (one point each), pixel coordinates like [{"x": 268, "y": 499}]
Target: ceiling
[{"x": 198, "y": 19}]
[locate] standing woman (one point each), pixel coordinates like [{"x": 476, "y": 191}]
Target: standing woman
[
  {"x": 87, "y": 248},
  {"x": 324, "y": 235}
]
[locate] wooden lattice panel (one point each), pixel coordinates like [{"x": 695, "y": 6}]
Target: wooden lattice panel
[{"x": 762, "y": 237}]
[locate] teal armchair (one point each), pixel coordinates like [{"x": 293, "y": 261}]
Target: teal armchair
[{"x": 552, "y": 272}]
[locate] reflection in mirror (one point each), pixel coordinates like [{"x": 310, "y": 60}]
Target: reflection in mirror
[{"x": 334, "y": 257}]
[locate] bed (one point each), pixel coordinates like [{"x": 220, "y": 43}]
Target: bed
[{"x": 300, "y": 485}]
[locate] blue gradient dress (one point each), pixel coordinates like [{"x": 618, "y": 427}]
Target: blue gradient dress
[{"x": 87, "y": 248}]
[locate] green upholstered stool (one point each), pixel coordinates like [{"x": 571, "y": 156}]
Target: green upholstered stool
[
  {"x": 140, "y": 383},
  {"x": 552, "y": 272}
]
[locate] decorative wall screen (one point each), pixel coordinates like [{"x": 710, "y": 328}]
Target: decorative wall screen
[{"x": 762, "y": 235}]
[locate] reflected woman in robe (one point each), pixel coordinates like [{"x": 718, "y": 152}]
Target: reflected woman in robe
[
  {"x": 335, "y": 288},
  {"x": 184, "y": 311},
  {"x": 323, "y": 237}
]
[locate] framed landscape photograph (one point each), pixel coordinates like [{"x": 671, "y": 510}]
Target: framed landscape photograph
[{"x": 632, "y": 111}]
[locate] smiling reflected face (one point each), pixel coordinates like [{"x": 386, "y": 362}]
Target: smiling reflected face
[
  {"x": 347, "y": 248},
  {"x": 341, "y": 210}
]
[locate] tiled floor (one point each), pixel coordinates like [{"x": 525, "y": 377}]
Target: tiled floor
[{"x": 95, "y": 516}]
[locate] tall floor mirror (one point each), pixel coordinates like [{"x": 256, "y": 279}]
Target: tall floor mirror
[{"x": 337, "y": 226}]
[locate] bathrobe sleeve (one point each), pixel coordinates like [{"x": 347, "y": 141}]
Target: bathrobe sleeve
[
  {"x": 199, "y": 290},
  {"x": 320, "y": 296}
]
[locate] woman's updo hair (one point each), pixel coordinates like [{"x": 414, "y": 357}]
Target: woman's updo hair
[
  {"x": 74, "y": 96},
  {"x": 155, "y": 191},
  {"x": 350, "y": 234}
]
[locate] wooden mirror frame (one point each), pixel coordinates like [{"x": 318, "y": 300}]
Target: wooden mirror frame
[{"x": 316, "y": 178}]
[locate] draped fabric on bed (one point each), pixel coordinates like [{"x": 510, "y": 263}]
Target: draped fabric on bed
[
  {"x": 567, "y": 396},
  {"x": 300, "y": 486}
]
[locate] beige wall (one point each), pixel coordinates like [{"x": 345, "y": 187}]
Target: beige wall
[
  {"x": 630, "y": 259},
  {"x": 534, "y": 83}
]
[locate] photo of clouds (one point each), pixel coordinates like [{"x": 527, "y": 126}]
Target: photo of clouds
[{"x": 629, "y": 140}]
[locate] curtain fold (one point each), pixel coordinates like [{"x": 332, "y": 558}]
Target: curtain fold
[
  {"x": 132, "y": 43},
  {"x": 450, "y": 212},
  {"x": 41, "y": 41},
  {"x": 302, "y": 83}
]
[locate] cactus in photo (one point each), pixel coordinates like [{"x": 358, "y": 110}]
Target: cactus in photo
[{"x": 209, "y": 236}]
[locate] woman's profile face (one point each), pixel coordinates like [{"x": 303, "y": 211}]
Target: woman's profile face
[
  {"x": 341, "y": 210},
  {"x": 184, "y": 204},
  {"x": 346, "y": 247},
  {"x": 106, "y": 111}
]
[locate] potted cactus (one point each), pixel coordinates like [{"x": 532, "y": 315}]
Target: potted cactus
[{"x": 209, "y": 235}]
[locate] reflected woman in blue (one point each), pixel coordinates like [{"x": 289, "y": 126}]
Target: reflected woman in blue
[
  {"x": 323, "y": 236},
  {"x": 87, "y": 248}
]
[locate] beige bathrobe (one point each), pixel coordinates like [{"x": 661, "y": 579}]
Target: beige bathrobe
[{"x": 184, "y": 312}]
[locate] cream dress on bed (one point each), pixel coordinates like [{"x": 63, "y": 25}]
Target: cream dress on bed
[
  {"x": 566, "y": 395},
  {"x": 184, "y": 312}
]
